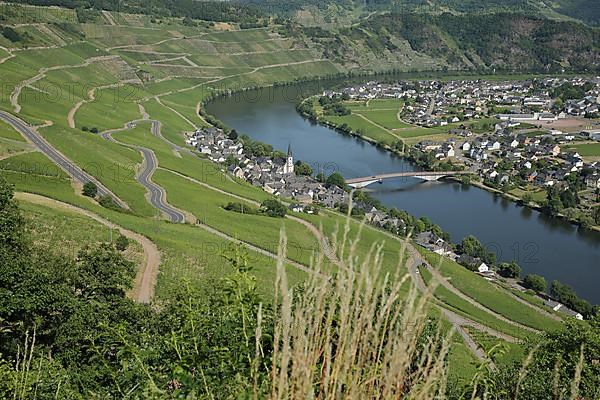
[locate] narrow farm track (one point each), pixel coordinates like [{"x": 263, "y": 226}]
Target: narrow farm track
[
  {"x": 257, "y": 249},
  {"x": 176, "y": 112},
  {"x": 8, "y": 57},
  {"x": 91, "y": 98},
  {"x": 57, "y": 157},
  {"x": 145, "y": 280},
  {"x": 14, "y": 96},
  {"x": 323, "y": 242},
  {"x": 157, "y": 195},
  {"x": 197, "y": 37},
  {"x": 444, "y": 282},
  {"x": 457, "y": 321}
]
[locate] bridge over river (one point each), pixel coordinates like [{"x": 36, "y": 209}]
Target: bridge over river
[{"x": 359, "y": 183}]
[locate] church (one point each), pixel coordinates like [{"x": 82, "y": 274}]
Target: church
[{"x": 288, "y": 168}]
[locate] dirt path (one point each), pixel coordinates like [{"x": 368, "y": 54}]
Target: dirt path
[
  {"x": 323, "y": 242},
  {"x": 444, "y": 282},
  {"x": 145, "y": 280},
  {"x": 16, "y": 153},
  {"x": 8, "y": 57},
  {"x": 91, "y": 97},
  {"x": 176, "y": 112},
  {"x": 379, "y": 126},
  {"x": 14, "y": 96}
]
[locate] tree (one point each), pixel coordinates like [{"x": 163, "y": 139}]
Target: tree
[
  {"x": 12, "y": 223},
  {"x": 11, "y": 34},
  {"x": 535, "y": 282},
  {"x": 108, "y": 202},
  {"x": 321, "y": 177},
  {"x": 233, "y": 135},
  {"x": 231, "y": 160},
  {"x": 596, "y": 215},
  {"x": 569, "y": 198},
  {"x": 336, "y": 179},
  {"x": 90, "y": 189},
  {"x": 566, "y": 295},
  {"x": 122, "y": 243},
  {"x": 101, "y": 272},
  {"x": 554, "y": 364},
  {"x": 274, "y": 208},
  {"x": 302, "y": 168},
  {"x": 471, "y": 246},
  {"x": 509, "y": 270}
]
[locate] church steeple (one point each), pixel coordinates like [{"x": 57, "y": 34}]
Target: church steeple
[{"x": 288, "y": 168}]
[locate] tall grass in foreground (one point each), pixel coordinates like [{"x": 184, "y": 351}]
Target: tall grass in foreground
[{"x": 354, "y": 335}]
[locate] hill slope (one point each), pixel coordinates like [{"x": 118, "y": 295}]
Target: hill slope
[{"x": 480, "y": 41}]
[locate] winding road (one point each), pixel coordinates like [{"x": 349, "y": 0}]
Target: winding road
[
  {"x": 157, "y": 195},
  {"x": 58, "y": 158}
]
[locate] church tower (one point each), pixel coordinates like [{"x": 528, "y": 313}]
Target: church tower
[{"x": 288, "y": 168}]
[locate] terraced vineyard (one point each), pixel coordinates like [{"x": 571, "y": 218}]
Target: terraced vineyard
[{"x": 80, "y": 84}]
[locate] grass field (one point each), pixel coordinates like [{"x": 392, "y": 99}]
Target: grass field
[
  {"x": 11, "y": 141},
  {"x": 363, "y": 126},
  {"x": 509, "y": 354},
  {"x": 463, "y": 307},
  {"x": 386, "y": 118},
  {"x": 64, "y": 231},
  {"x": 591, "y": 150},
  {"x": 488, "y": 294},
  {"x": 7, "y": 132},
  {"x": 33, "y": 165}
]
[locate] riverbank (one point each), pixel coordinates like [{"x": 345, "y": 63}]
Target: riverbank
[
  {"x": 314, "y": 115},
  {"x": 531, "y": 205}
]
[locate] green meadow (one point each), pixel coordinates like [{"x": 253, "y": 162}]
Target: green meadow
[{"x": 488, "y": 294}]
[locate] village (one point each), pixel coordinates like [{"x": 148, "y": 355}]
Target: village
[
  {"x": 278, "y": 176},
  {"x": 275, "y": 175},
  {"x": 435, "y": 103},
  {"x": 520, "y": 137}
]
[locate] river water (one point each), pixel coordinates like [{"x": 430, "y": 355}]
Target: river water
[{"x": 542, "y": 245}]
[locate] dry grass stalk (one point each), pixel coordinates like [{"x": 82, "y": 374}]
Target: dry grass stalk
[{"x": 354, "y": 335}]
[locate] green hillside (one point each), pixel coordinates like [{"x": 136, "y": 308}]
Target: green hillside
[
  {"x": 500, "y": 41},
  {"x": 217, "y": 305}
]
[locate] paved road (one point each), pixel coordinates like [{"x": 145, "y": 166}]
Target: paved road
[
  {"x": 58, "y": 158},
  {"x": 157, "y": 132},
  {"x": 157, "y": 194}
]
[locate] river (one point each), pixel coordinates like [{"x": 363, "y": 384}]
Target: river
[{"x": 542, "y": 245}]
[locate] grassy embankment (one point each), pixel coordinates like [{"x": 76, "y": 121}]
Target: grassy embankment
[{"x": 489, "y": 295}]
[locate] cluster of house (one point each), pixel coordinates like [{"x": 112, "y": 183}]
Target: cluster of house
[
  {"x": 500, "y": 156},
  {"x": 436, "y": 103},
  {"x": 276, "y": 175},
  {"x": 437, "y": 245}
]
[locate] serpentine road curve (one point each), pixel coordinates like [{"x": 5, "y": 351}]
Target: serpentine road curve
[
  {"x": 157, "y": 194},
  {"x": 58, "y": 158}
]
